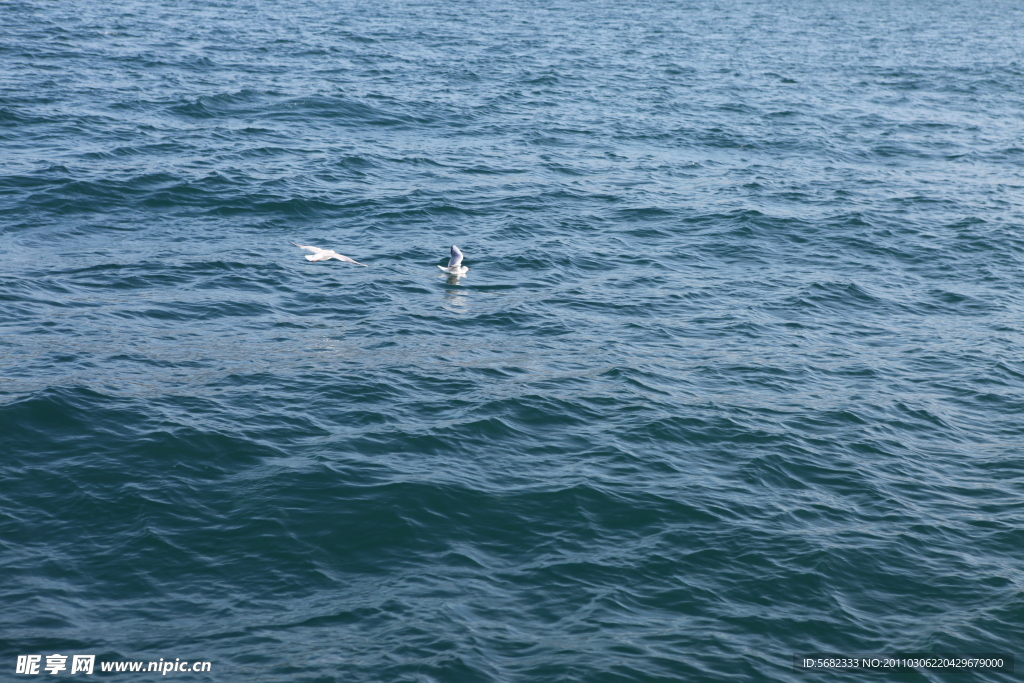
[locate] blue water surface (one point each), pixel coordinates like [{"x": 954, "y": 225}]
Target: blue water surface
[{"x": 737, "y": 371}]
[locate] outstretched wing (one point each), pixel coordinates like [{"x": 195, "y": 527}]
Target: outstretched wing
[
  {"x": 326, "y": 254},
  {"x": 456, "y": 257},
  {"x": 346, "y": 259}
]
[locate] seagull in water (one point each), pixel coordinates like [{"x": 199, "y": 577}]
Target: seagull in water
[
  {"x": 455, "y": 266},
  {"x": 325, "y": 254}
]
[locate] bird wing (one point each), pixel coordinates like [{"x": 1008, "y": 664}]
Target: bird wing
[
  {"x": 456, "y": 257},
  {"x": 326, "y": 254},
  {"x": 346, "y": 259}
]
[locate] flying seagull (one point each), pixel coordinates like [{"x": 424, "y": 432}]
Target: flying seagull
[
  {"x": 455, "y": 266},
  {"x": 325, "y": 254}
]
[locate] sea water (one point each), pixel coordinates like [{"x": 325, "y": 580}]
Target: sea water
[{"x": 736, "y": 373}]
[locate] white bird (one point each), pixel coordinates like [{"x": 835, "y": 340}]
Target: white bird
[
  {"x": 455, "y": 266},
  {"x": 325, "y": 254}
]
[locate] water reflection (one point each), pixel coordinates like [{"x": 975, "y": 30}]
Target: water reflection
[
  {"x": 453, "y": 279},
  {"x": 454, "y": 294}
]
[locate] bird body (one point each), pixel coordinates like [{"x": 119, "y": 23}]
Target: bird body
[
  {"x": 325, "y": 254},
  {"x": 455, "y": 266}
]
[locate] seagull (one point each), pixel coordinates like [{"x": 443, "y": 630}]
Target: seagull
[
  {"x": 455, "y": 266},
  {"x": 325, "y": 254}
]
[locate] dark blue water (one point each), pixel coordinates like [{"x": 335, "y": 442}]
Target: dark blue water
[{"x": 737, "y": 371}]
